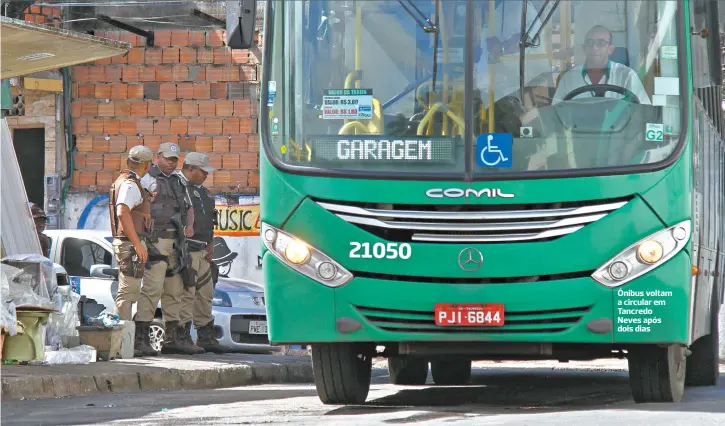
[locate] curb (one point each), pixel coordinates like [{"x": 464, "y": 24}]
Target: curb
[{"x": 152, "y": 379}]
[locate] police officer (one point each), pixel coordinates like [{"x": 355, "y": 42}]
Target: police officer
[
  {"x": 162, "y": 279},
  {"x": 197, "y": 300},
  {"x": 129, "y": 209}
]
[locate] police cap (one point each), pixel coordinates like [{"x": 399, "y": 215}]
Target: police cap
[{"x": 140, "y": 153}]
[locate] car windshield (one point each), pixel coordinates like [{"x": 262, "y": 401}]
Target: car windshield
[{"x": 392, "y": 85}]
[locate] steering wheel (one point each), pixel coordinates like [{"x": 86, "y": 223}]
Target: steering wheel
[{"x": 601, "y": 89}]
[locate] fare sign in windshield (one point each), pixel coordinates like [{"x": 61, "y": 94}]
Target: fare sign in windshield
[
  {"x": 383, "y": 150},
  {"x": 347, "y": 103}
]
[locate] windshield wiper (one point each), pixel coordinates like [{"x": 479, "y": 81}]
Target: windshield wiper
[
  {"x": 422, "y": 21},
  {"x": 525, "y": 42}
]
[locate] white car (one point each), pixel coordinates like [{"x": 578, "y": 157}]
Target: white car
[{"x": 238, "y": 307}]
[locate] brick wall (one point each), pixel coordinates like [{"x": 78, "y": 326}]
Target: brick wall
[
  {"x": 43, "y": 15},
  {"x": 188, "y": 88}
]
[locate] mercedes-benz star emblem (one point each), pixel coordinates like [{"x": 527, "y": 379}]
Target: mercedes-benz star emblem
[{"x": 470, "y": 259}]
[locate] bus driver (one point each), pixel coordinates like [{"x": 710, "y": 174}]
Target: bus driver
[{"x": 598, "y": 69}]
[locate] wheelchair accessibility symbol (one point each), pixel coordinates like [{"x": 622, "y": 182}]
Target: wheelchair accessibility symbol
[{"x": 494, "y": 150}]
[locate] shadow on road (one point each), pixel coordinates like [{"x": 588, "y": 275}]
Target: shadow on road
[
  {"x": 512, "y": 391},
  {"x": 132, "y": 407},
  {"x": 493, "y": 391}
]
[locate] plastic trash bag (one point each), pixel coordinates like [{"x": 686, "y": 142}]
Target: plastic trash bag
[
  {"x": 82, "y": 354},
  {"x": 106, "y": 320},
  {"x": 8, "y": 318},
  {"x": 64, "y": 323},
  {"x": 31, "y": 280},
  {"x": 41, "y": 268}
]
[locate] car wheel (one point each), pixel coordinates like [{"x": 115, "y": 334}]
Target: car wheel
[{"x": 156, "y": 334}]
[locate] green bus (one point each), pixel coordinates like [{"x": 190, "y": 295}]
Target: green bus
[{"x": 445, "y": 181}]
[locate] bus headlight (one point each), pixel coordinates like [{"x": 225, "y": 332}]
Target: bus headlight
[
  {"x": 644, "y": 255},
  {"x": 304, "y": 258},
  {"x": 297, "y": 252}
]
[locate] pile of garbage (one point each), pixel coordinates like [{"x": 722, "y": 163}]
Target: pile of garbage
[{"x": 29, "y": 288}]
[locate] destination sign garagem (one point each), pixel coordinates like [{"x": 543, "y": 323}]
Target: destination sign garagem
[{"x": 383, "y": 150}]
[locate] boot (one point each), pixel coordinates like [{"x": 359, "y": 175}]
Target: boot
[
  {"x": 207, "y": 340},
  {"x": 189, "y": 341},
  {"x": 142, "y": 341},
  {"x": 174, "y": 340}
]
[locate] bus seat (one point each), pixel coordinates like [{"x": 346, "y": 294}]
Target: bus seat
[{"x": 620, "y": 55}]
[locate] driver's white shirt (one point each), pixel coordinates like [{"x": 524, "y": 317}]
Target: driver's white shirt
[{"x": 618, "y": 75}]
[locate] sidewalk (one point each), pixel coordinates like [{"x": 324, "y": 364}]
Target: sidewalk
[{"x": 169, "y": 372}]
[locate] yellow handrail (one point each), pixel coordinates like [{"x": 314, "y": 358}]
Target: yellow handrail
[
  {"x": 352, "y": 124},
  {"x": 440, "y": 106}
]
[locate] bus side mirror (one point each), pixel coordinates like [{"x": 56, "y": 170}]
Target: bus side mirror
[{"x": 241, "y": 20}]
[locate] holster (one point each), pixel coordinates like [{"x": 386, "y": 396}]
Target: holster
[
  {"x": 129, "y": 263},
  {"x": 188, "y": 276},
  {"x": 155, "y": 256}
]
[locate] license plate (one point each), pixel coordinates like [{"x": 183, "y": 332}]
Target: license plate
[
  {"x": 257, "y": 327},
  {"x": 450, "y": 314}
]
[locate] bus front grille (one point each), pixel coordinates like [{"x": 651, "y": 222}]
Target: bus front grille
[
  {"x": 406, "y": 321},
  {"x": 472, "y": 223}
]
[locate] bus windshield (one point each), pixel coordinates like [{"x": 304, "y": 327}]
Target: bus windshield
[{"x": 499, "y": 86}]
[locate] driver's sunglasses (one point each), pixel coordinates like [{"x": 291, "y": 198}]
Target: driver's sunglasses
[{"x": 590, "y": 42}]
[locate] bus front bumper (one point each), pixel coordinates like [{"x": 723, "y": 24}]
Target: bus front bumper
[{"x": 654, "y": 308}]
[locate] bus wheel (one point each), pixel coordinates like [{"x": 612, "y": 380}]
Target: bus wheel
[
  {"x": 703, "y": 363},
  {"x": 657, "y": 374},
  {"x": 450, "y": 372},
  {"x": 407, "y": 371},
  {"x": 342, "y": 372}
]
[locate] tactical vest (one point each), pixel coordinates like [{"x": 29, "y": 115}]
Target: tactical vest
[
  {"x": 204, "y": 213},
  {"x": 169, "y": 200},
  {"x": 140, "y": 215}
]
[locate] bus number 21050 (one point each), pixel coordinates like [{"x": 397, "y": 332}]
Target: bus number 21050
[{"x": 380, "y": 251}]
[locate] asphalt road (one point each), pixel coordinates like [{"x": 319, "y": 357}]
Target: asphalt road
[{"x": 499, "y": 396}]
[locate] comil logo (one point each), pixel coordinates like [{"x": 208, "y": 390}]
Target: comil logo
[{"x": 467, "y": 193}]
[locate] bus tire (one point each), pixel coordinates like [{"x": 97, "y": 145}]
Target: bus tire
[
  {"x": 703, "y": 363},
  {"x": 450, "y": 372},
  {"x": 407, "y": 370},
  {"x": 657, "y": 374},
  {"x": 342, "y": 372}
]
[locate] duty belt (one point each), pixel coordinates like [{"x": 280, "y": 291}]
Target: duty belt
[
  {"x": 168, "y": 234},
  {"x": 196, "y": 245}
]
